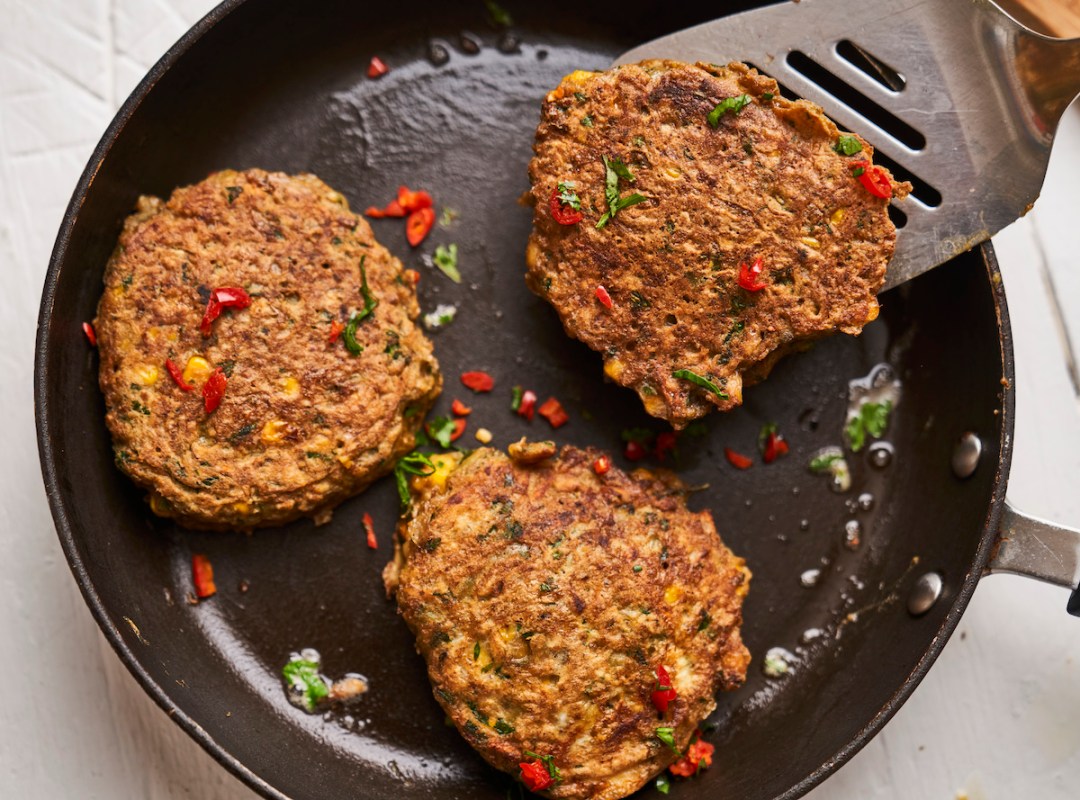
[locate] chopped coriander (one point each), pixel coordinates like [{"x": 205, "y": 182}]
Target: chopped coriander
[
  {"x": 502, "y": 727},
  {"x": 476, "y": 651},
  {"x": 824, "y": 462},
  {"x": 349, "y": 335},
  {"x": 549, "y": 764},
  {"x": 441, "y": 429},
  {"x": 432, "y": 544},
  {"x": 847, "y": 145},
  {"x": 638, "y": 302},
  {"x": 581, "y": 97},
  {"x": 872, "y": 418},
  {"x": 568, "y": 195},
  {"x": 412, "y": 464},
  {"x": 729, "y": 105},
  {"x": 698, "y": 380},
  {"x": 442, "y": 316},
  {"x": 855, "y": 173},
  {"x": 663, "y": 783},
  {"x": 303, "y": 678},
  {"x": 667, "y": 736},
  {"x": 586, "y": 121},
  {"x": 614, "y": 169},
  {"x": 767, "y": 95},
  {"x": 515, "y": 398},
  {"x": 638, "y": 567},
  {"x": 445, "y": 259},
  {"x": 232, "y": 192}
]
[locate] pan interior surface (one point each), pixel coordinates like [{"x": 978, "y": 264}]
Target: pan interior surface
[{"x": 268, "y": 87}]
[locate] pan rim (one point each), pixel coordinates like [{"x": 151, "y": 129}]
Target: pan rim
[{"x": 65, "y": 532}]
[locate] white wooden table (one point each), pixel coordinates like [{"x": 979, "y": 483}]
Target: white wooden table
[{"x": 998, "y": 717}]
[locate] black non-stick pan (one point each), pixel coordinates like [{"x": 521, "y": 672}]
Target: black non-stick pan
[{"x": 274, "y": 84}]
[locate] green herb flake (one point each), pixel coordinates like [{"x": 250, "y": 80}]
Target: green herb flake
[
  {"x": 824, "y": 462},
  {"x": 502, "y": 727},
  {"x": 303, "y": 675},
  {"x": 767, "y": 430},
  {"x": 568, "y": 195},
  {"x": 549, "y": 764},
  {"x": 729, "y": 105},
  {"x": 855, "y": 173},
  {"x": 476, "y": 651},
  {"x": 663, "y": 783},
  {"x": 349, "y": 334},
  {"x": 446, "y": 219},
  {"x": 431, "y": 545},
  {"x": 446, "y": 259},
  {"x": 872, "y": 418},
  {"x": 638, "y": 567},
  {"x": 227, "y": 366},
  {"x": 499, "y": 15},
  {"x": 614, "y": 169},
  {"x": 586, "y": 121},
  {"x": 638, "y": 301},
  {"x": 697, "y": 380},
  {"x": 515, "y": 398},
  {"x": 581, "y": 97},
  {"x": 667, "y": 736},
  {"x": 441, "y": 429},
  {"x": 767, "y": 95},
  {"x": 232, "y": 192},
  {"x": 847, "y": 145},
  {"x": 412, "y": 464}
]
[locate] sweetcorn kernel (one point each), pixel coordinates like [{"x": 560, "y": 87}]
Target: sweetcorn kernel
[
  {"x": 147, "y": 374},
  {"x": 837, "y": 216},
  {"x": 290, "y": 387},
  {"x": 197, "y": 370},
  {"x": 483, "y": 435},
  {"x": 811, "y": 241},
  {"x": 673, "y": 594},
  {"x": 274, "y": 431}
]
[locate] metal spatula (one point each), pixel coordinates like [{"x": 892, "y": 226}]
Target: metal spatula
[{"x": 955, "y": 96}]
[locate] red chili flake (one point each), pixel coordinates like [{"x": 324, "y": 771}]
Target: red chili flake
[
  {"x": 413, "y": 201},
  {"x": 603, "y": 296},
  {"x": 478, "y": 381},
  {"x": 459, "y": 428},
  {"x": 562, "y": 213},
  {"x": 459, "y": 408},
  {"x": 698, "y": 757},
  {"x": 602, "y": 465},
  {"x": 411, "y": 277},
  {"x": 664, "y": 694},
  {"x": 376, "y": 69},
  {"x": 553, "y": 412},
  {"x": 635, "y": 451},
  {"x": 202, "y": 573},
  {"x": 220, "y": 299},
  {"x": 369, "y": 527},
  {"x": 418, "y": 225},
  {"x": 214, "y": 390},
  {"x": 177, "y": 375},
  {"x": 91, "y": 337},
  {"x": 873, "y": 178},
  {"x": 665, "y": 443},
  {"x": 535, "y": 776},
  {"x": 737, "y": 460},
  {"x": 393, "y": 209},
  {"x": 749, "y": 276},
  {"x": 775, "y": 446},
  {"x": 336, "y": 328},
  {"x": 527, "y": 407}
]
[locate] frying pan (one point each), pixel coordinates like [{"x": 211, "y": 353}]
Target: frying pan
[{"x": 261, "y": 83}]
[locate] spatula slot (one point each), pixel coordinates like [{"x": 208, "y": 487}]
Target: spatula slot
[
  {"x": 873, "y": 66},
  {"x": 898, "y": 217},
  {"x": 856, "y": 100}
]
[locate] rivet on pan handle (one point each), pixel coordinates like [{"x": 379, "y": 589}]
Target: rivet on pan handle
[{"x": 1038, "y": 549}]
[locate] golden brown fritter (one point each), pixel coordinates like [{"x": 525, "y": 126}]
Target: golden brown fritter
[
  {"x": 544, "y": 596},
  {"x": 303, "y": 423},
  {"x": 765, "y": 182}
]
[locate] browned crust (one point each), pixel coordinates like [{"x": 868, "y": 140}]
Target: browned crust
[
  {"x": 535, "y": 564},
  {"x": 293, "y": 244},
  {"x": 765, "y": 183}
]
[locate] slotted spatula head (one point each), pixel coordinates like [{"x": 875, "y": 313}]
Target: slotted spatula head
[{"x": 955, "y": 96}]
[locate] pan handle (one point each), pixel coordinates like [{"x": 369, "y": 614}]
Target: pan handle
[{"x": 1039, "y": 549}]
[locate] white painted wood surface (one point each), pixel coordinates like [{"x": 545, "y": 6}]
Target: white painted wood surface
[{"x": 998, "y": 717}]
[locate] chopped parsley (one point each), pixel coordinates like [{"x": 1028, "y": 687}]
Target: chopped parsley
[
  {"x": 412, "y": 464},
  {"x": 586, "y": 121},
  {"x": 567, "y": 195},
  {"x": 697, "y": 380},
  {"x": 767, "y": 95},
  {"x": 847, "y": 145},
  {"x": 667, "y": 736},
  {"x": 445, "y": 259},
  {"x": 431, "y": 545},
  {"x": 476, "y": 651},
  {"x": 729, "y": 105},
  {"x": 303, "y": 676},
  {"x": 441, "y": 429},
  {"x": 502, "y": 727},
  {"x": 855, "y": 173},
  {"x": 872, "y": 418},
  {"x": 614, "y": 169},
  {"x": 825, "y": 462},
  {"x": 515, "y": 398},
  {"x": 232, "y": 192},
  {"x": 663, "y": 783},
  {"x": 349, "y": 335}
]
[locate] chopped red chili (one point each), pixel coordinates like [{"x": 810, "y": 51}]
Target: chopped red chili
[
  {"x": 376, "y": 69},
  {"x": 220, "y": 299},
  {"x": 737, "y": 460},
  {"x": 177, "y": 375},
  {"x": 563, "y": 213},
  {"x": 553, "y": 412},
  {"x": 411, "y": 277},
  {"x": 665, "y": 443},
  {"x": 535, "y": 776},
  {"x": 527, "y": 407},
  {"x": 336, "y": 329},
  {"x": 459, "y": 428},
  {"x": 459, "y": 408},
  {"x": 478, "y": 381},
  {"x": 418, "y": 225},
  {"x": 413, "y": 201},
  {"x": 202, "y": 573},
  {"x": 635, "y": 451},
  {"x": 91, "y": 336},
  {"x": 664, "y": 694},
  {"x": 392, "y": 209},
  {"x": 369, "y": 528},
  {"x": 698, "y": 757},
  {"x": 774, "y": 447},
  {"x": 873, "y": 178},
  {"x": 603, "y": 296},
  {"x": 214, "y": 390},
  {"x": 602, "y": 465},
  {"x": 749, "y": 276}
]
